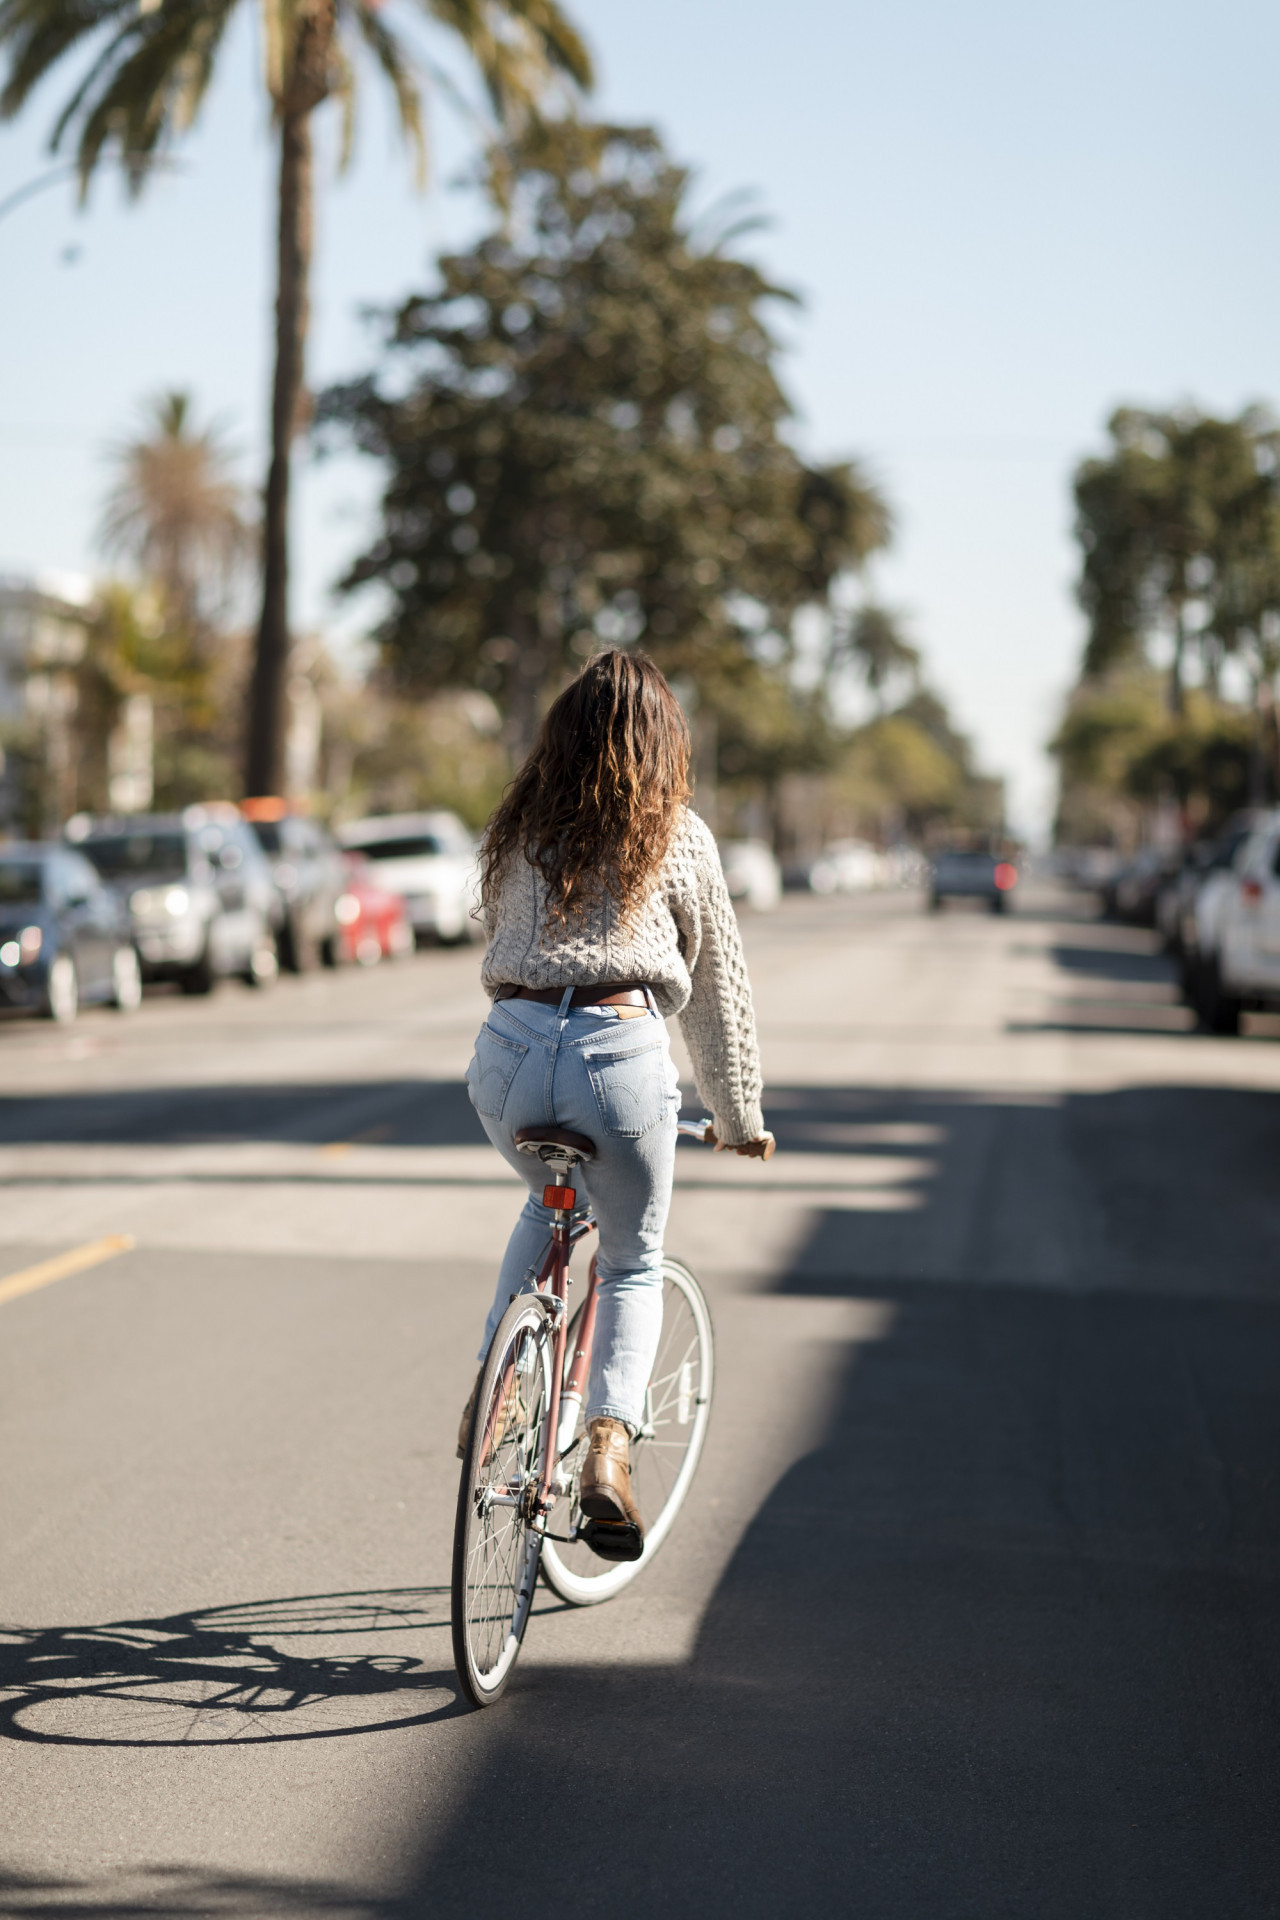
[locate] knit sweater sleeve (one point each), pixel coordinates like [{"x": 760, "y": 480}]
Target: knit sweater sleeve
[{"x": 718, "y": 1023}]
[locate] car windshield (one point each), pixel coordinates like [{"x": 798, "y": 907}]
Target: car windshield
[
  {"x": 19, "y": 883},
  {"x": 117, "y": 855},
  {"x": 410, "y": 846},
  {"x": 268, "y": 832},
  {"x": 966, "y": 859}
]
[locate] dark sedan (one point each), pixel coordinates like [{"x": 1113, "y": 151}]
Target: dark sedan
[{"x": 64, "y": 937}]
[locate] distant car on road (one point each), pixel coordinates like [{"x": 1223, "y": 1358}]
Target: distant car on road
[
  {"x": 372, "y": 922},
  {"x": 430, "y": 860},
  {"x": 964, "y": 874},
  {"x": 64, "y": 937},
  {"x": 751, "y": 873},
  {"x": 198, "y": 889},
  {"x": 309, "y": 875}
]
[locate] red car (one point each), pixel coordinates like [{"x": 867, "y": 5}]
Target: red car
[{"x": 372, "y": 922}]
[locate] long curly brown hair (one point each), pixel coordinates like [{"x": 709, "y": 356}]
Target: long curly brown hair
[{"x": 595, "y": 805}]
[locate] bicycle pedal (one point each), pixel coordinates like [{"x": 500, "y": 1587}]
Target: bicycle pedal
[{"x": 612, "y": 1539}]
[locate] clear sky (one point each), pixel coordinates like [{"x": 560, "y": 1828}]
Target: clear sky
[{"x": 1004, "y": 219}]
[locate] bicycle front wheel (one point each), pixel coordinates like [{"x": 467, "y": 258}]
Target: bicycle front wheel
[
  {"x": 664, "y": 1455},
  {"x": 497, "y": 1538}
]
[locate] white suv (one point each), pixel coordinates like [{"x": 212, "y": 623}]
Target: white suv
[
  {"x": 430, "y": 859},
  {"x": 1237, "y": 962}
]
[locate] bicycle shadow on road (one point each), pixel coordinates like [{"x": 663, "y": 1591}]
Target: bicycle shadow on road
[
  {"x": 1007, "y": 1640},
  {"x": 231, "y": 1675}
]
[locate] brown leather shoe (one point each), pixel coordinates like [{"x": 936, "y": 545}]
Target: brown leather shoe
[{"x": 612, "y": 1524}]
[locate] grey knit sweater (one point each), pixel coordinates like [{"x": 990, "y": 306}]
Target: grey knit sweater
[{"x": 684, "y": 943}]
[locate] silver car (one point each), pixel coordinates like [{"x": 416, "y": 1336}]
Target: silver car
[
  {"x": 430, "y": 860},
  {"x": 199, "y": 891}
]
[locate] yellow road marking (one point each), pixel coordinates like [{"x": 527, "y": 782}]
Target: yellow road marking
[
  {"x": 334, "y": 1149},
  {"x": 90, "y": 1255}
]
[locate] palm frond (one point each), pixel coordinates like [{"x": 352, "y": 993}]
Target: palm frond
[
  {"x": 156, "y": 88},
  {"x": 517, "y": 46},
  {"x": 343, "y": 93},
  {"x": 37, "y": 33},
  {"x": 562, "y": 44},
  {"x": 398, "y": 70}
]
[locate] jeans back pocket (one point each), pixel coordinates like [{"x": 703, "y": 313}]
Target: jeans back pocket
[
  {"x": 492, "y": 1069},
  {"x": 633, "y": 1090}
]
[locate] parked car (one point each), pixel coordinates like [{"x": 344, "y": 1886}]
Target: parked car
[
  {"x": 963, "y": 873},
  {"x": 373, "y": 923},
  {"x": 309, "y": 875},
  {"x": 200, "y": 894},
  {"x": 64, "y": 937},
  {"x": 1236, "y": 962},
  {"x": 1133, "y": 889},
  {"x": 846, "y": 866},
  {"x": 1091, "y": 867},
  {"x": 1178, "y": 900},
  {"x": 751, "y": 874},
  {"x": 430, "y": 860}
]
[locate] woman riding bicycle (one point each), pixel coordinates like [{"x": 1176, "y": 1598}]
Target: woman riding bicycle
[{"x": 606, "y": 909}]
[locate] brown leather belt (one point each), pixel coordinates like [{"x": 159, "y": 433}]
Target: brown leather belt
[{"x": 607, "y": 995}]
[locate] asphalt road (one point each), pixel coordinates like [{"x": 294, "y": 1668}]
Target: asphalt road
[{"x": 974, "y": 1607}]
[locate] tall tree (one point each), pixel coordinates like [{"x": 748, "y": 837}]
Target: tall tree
[
  {"x": 873, "y": 641},
  {"x": 1160, "y": 521},
  {"x": 149, "y": 64},
  {"x": 583, "y": 435},
  {"x": 176, "y": 511}
]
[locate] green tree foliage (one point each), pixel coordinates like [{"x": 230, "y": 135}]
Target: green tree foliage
[
  {"x": 584, "y": 437},
  {"x": 1119, "y": 749},
  {"x": 1180, "y": 529},
  {"x": 144, "y": 67},
  {"x": 872, "y": 641},
  {"x": 176, "y": 511}
]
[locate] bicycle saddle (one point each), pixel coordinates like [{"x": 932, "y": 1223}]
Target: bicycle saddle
[{"x": 555, "y": 1146}]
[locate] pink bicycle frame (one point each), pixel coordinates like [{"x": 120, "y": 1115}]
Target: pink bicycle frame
[
  {"x": 553, "y": 1280},
  {"x": 553, "y": 1284}
]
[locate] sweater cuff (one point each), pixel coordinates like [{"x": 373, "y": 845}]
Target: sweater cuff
[{"x": 735, "y": 1130}]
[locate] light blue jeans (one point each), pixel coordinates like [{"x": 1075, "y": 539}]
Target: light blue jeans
[{"x": 615, "y": 1081}]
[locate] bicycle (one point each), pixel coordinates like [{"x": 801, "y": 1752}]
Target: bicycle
[{"x": 518, "y": 1512}]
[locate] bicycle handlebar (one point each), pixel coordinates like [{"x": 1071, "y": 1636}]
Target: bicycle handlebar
[{"x": 700, "y": 1130}]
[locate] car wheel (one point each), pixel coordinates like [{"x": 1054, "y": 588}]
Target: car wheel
[
  {"x": 264, "y": 965},
  {"x": 126, "y": 981},
  {"x": 331, "y": 951},
  {"x": 199, "y": 978},
  {"x": 999, "y": 904},
  {"x": 935, "y": 903},
  {"x": 1219, "y": 1010},
  {"x": 296, "y": 950},
  {"x": 61, "y": 991}
]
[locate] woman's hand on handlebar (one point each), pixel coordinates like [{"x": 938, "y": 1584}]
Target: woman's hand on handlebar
[{"x": 761, "y": 1148}]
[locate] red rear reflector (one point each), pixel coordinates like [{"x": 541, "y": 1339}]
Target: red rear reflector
[
  {"x": 1251, "y": 889},
  {"x": 1005, "y": 876},
  {"x": 559, "y": 1197}
]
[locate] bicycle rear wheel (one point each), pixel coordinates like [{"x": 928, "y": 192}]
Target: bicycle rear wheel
[
  {"x": 496, "y": 1544},
  {"x": 664, "y": 1456}
]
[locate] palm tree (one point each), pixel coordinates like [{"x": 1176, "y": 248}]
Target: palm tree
[
  {"x": 176, "y": 512},
  {"x": 149, "y": 64},
  {"x": 875, "y": 643}
]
